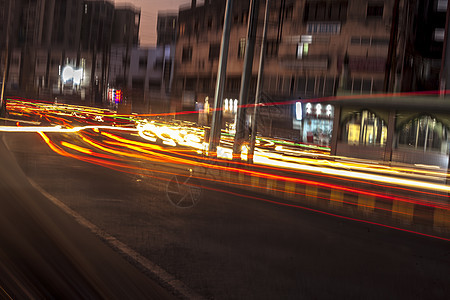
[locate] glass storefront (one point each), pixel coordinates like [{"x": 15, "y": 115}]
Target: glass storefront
[
  {"x": 317, "y": 123},
  {"x": 364, "y": 128},
  {"x": 424, "y": 133}
]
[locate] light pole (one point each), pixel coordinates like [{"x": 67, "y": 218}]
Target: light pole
[
  {"x": 216, "y": 125},
  {"x": 241, "y": 130},
  {"x": 251, "y": 150}
]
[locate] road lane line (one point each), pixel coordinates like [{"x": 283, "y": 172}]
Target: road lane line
[{"x": 178, "y": 286}]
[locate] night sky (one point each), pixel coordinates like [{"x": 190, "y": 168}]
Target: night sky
[{"x": 149, "y": 14}]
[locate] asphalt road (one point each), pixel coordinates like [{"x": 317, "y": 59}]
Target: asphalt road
[
  {"x": 45, "y": 254},
  {"x": 226, "y": 247}
]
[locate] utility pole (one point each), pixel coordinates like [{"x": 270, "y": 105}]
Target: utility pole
[
  {"x": 241, "y": 130},
  {"x": 216, "y": 125},
  {"x": 251, "y": 150},
  {"x": 5, "y": 68}
]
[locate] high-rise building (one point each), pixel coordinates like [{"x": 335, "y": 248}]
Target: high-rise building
[
  {"x": 126, "y": 24},
  {"x": 97, "y": 24},
  {"x": 313, "y": 49},
  {"x": 309, "y": 44},
  {"x": 166, "y": 28}
]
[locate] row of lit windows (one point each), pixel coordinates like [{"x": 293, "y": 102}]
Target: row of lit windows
[{"x": 423, "y": 133}]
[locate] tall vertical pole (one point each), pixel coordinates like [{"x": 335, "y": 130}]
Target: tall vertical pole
[
  {"x": 246, "y": 78},
  {"x": 5, "y": 68},
  {"x": 444, "y": 75},
  {"x": 216, "y": 125},
  {"x": 251, "y": 150}
]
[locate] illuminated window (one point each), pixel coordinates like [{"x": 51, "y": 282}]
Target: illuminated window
[
  {"x": 302, "y": 50},
  {"x": 364, "y": 128},
  {"x": 442, "y": 5},
  {"x": 424, "y": 133},
  {"x": 323, "y": 28},
  {"x": 182, "y": 29},
  {"x": 439, "y": 34}
]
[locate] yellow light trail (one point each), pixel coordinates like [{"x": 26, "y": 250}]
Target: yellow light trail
[{"x": 260, "y": 157}]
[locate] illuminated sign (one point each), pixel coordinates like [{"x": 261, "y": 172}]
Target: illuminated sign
[
  {"x": 115, "y": 96},
  {"x": 69, "y": 74},
  {"x": 316, "y": 110},
  {"x": 298, "y": 111}
]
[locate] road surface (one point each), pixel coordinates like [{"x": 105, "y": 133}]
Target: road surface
[{"x": 229, "y": 246}]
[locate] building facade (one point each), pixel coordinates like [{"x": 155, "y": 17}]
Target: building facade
[
  {"x": 166, "y": 28},
  {"x": 308, "y": 44},
  {"x": 126, "y": 23},
  {"x": 46, "y": 36},
  {"x": 313, "y": 49}
]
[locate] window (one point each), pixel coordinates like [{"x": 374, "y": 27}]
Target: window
[
  {"x": 323, "y": 28},
  {"x": 375, "y": 10},
  {"x": 137, "y": 83},
  {"x": 214, "y": 52},
  {"x": 424, "y": 133},
  {"x": 365, "y": 40},
  {"x": 210, "y": 21},
  {"x": 289, "y": 12},
  {"x": 439, "y": 34},
  {"x": 325, "y": 11},
  {"x": 302, "y": 50},
  {"x": 272, "y": 48},
  {"x": 244, "y": 17},
  {"x": 182, "y": 29},
  {"x": 143, "y": 63},
  {"x": 380, "y": 42},
  {"x": 355, "y": 40},
  {"x": 241, "y": 47},
  {"x": 158, "y": 65},
  {"x": 442, "y": 5},
  {"x": 364, "y": 128},
  {"x": 186, "y": 56}
]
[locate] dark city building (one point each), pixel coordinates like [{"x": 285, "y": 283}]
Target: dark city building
[
  {"x": 313, "y": 49},
  {"x": 166, "y": 28},
  {"x": 125, "y": 30},
  {"x": 424, "y": 33},
  {"x": 309, "y": 45},
  {"x": 96, "y": 29}
]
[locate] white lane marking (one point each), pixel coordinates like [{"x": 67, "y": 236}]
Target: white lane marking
[{"x": 156, "y": 270}]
